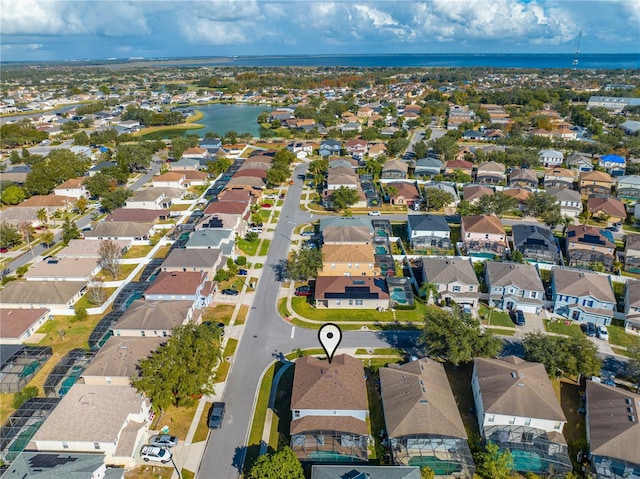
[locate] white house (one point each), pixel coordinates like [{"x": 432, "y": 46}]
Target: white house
[
  {"x": 551, "y": 157},
  {"x": 73, "y": 188},
  {"x": 429, "y": 232}
]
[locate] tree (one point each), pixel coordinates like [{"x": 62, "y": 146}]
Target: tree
[
  {"x": 95, "y": 291},
  {"x": 47, "y": 238},
  {"x": 304, "y": 264},
  {"x": 435, "y": 199},
  {"x": 562, "y": 355},
  {"x": 494, "y": 463},
  {"x": 539, "y": 203},
  {"x": 9, "y": 235},
  {"x": 43, "y": 216},
  {"x": 81, "y": 138},
  {"x": 110, "y": 254},
  {"x": 343, "y": 198},
  {"x": 497, "y": 204},
  {"x": 12, "y": 195},
  {"x": 420, "y": 149},
  {"x": 276, "y": 176},
  {"x": 115, "y": 199},
  {"x": 219, "y": 166},
  {"x": 459, "y": 176},
  {"x": 81, "y": 205},
  {"x": 632, "y": 370},
  {"x": 276, "y": 465},
  {"x": 181, "y": 368},
  {"x": 69, "y": 231},
  {"x": 26, "y": 231},
  {"x": 517, "y": 256},
  {"x": 456, "y": 336},
  {"x": 552, "y": 218}
]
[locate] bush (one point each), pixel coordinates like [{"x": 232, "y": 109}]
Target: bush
[
  {"x": 242, "y": 260},
  {"x": 8, "y": 279},
  {"x": 23, "y": 396},
  {"x": 251, "y": 237},
  {"x": 81, "y": 314},
  {"x": 405, "y": 307},
  {"x": 21, "y": 270},
  {"x": 222, "y": 275}
]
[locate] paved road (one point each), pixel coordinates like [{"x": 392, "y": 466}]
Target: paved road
[{"x": 265, "y": 335}]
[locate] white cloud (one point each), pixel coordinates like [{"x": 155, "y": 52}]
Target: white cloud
[{"x": 21, "y": 46}]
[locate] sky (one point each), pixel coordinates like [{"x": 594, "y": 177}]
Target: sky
[{"x": 45, "y": 30}]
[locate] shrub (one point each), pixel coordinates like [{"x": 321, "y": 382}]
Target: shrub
[
  {"x": 21, "y": 270},
  {"x": 407, "y": 307},
  {"x": 222, "y": 275},
  {"x": 81, "y": 314},
  {"x": 242, "y": 260}
]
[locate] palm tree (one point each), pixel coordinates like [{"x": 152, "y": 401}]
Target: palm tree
[
  {"x": 43, "y": 216},
  {"x": 566, "y": 222}
]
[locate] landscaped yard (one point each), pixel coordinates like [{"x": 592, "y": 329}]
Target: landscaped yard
[
  {"x": 182, "y": 207},
  {"x": 496, "y": 317},
  {"x": 149, "y": 472},
  {"x": 248, "y": 248},
  {"x": 219, "y": 314},
  {"x": 574, "y": 430},
  {"x": 619, "y": 337},
  {"x": 85, "y": 301},
  {"x": 202, "y": 431},
  {"x": 137, "y": 251},
  {"x": 223, "y": 368},
  {"x": 177, "y": 418},
  {"x": 125, "y": 271},
  {"x": 259, "y": 415},
  {"x": 376, "y": 416},
  {"x": 568, "y": 328},
  {"x": 264, "y": 247},
  {"x": 242, "y": 314},
  {"x": 162, "y": 251}
]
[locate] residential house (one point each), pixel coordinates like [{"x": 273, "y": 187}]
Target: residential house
[
  {"x": 607, "y": 207},
  {"x": 326, "y": 471},
  {"x": 72, "y": 188},
  {"x": 595, "y": 183},
  {"x": 632, "y": 253},
  {"x": 117, "y": 360},
  {"x": 137, "y": 215},
  {"x": 300, "y": 149},
  {"x": 615, "y": 104},
  {"x": 524, "y": 178},
  {"x": 473, "y": 193},
  {"x": 589, "y": 244},
  {"x": 428, "y": 167},
  {"x": 63, "y": 269},
  {"x": 473, "y": 135},
  {"x": 514, "y": 286},
  {"x": 70, "y": 465},
  {"x": 346, "y": 222},
  {"x": 351, "y": 292},
  {"x": 17, "y": 325},
  {"x": 153, "y": 318},
  {"x": 191, "y": 286},
  {"x": 329, "y": 410},
  {"x": 214, "y": 239},
  {"x": 193, "y": 259},
  {"x": 239, "y": 208},
  {"x": 490, "y": 173},
  {"x": 195, "y": 178},
  {"x": 483, "y": 236},
  {"x": 517, "y": 409},
  {"x": 394, "y": 169},
  {"x": 551, "y": 158},
  {"x": 356, "y": 146},
  {"x": 615, "y": 165},
  {"x": 454, "y": 279},
  {"x": 110, "y": 419},
  {"x": 520, "y": 194},
  {"x": 57, "y": 296},
  {"x": 423, "y": 423},
  {"x": 558, "y": 177},
  {"x": 346, "y": 235},
  {"x": 457, "y": 115},
  {"x": 582, "y": 296},
  {"x": 581, "y": 162},
  {"x": 351, "y": 126},
  {"x": 629, "y": 187},
  {"x": 430, "y": 232},
  {"x": 172, "y": 179},
  {"x": 536, "y": 243},
  {"x": 330, "y": 147},
  {"x": 51, "y": 203},
  {"x": 463, "y": 166},
  {"x": 377, "y": 149},
  {"x": 407, "y": 194},
  {"x": 189, "y": 163},
  {"x": 630, "y": 127},
  {"x": 120, "y": 230},
  {"x": 341, "y": 177},
  {"x": 613, "y": 431},
  {"x": 154, "y": 198},
  {"x": 569, "y": 200},
  {"x": 198, "y": 153},
  {"x": 446, "y": 186},
  {"x": 497, "y": 114},
  {"x": 632, "y": 307},
  {"x": 348, "y": 260},
  {"x": 249, "y": 182}
]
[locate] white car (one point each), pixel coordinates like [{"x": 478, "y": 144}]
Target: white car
[
  {"x": 155, "y": 453},
  {"x": 374, "y": 213},
  {"x": 602, "y": 333}
]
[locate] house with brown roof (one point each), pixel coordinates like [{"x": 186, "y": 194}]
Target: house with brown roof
[
  {"x": 423, "y": 423},
  {"x": 524, "y": 178},
  {"x": 356, "y": 147},
  {"x": 249, "y": 182},
  {"x": 613, "y": 431},
  {"x": 191, "y": 286},
  {"x": 595, "y": 183},
  {"x": 137, "y": 215},
  {"x": 490, "y": 173},
  {"x": 172, "y": 179},
  {"x": 632, "y": 253},
  {"x": 49, "y": 202},
  {"x": 17, "y": 325},
  {"x": 153, "y": 318},
  {"x": 348, "y": 260},
  {"x": 453, "y": 279},
  {"x": 464, "y": 166},
  {"x": 329, "y": 410},
  {"x": 117, "y": 360},
  {"x": 194, "y": 178},
  {"x": 110, "y": 419},
  {"x": 407, "y": 193},
  {"x": 351, "y": 292},
  {"x": 394, "y": 169},
  {"x": 589, "y": 244},
  {"x": 251, "y": 172},
  {"x": 72, "y": 188},
  {"x": 582, "y": 296},
  {"x": 517, "y": 409},
  {"x": 483, "y": 235},
  {"x": 240, "y": 208},
  {"x": 557, "y": 177},
  {"x": 607, "y": 207},
  {"x": 472, "y": 193},
  {"x": 63, "y": 269}
]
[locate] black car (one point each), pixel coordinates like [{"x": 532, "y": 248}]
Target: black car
[
  {"x": 216, "y": 415},
  {"x": 213, "y": 324},
  {"x": 591, "y": 329},
  {"x": 230, "y": 292},
  {"x": 520, "y": 318}
]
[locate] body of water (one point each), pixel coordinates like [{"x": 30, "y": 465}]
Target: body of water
[{"x": 608, "y": 61}]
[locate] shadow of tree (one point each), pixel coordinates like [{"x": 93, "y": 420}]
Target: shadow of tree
[{"x": 280, "y": 270}]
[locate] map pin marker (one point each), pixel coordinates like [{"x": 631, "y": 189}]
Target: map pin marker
[{"x": 329, "y": 336}]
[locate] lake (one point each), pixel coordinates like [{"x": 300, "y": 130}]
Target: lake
[{"x": 220, "y": 118}]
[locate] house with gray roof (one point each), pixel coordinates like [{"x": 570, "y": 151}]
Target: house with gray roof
[
  {"x": 153, "y": 318},
  {"x": 108, "y": 419},
  {"x": 613, "y": 431},
  {"x": 523, "y": 177},
  {"x": 394, "y": 169},
  {"x": 63, "y": 269},
  {"x": 628, "y": 187},
  {"x": 632, "y": 306},
  {"x": 581, "y": 162},
  {"x": 154, "y": 197},
  {"x": 70, "y": 465},
  {"x": 517, "y": 409},
  {"x": 569, "y": 200},
  {"x": 630, "y": 127},
  {"x": 341, "y": 222},
  {"x": 57, "y": 296},
  {"x": 536, "y": 243},
  {"x": 632, "y": 253},
  {"x": 429, "y": 232},
  {"x": 514, "y": 286},
  {"x": 422, "y": 418},
  {"x": 213, "y": 238},
  {"x": 490, "y": 173},
  {"x": 551, "y": 158},
  {"x": 454, "y": 279},
  {"x": 330, "y": 147},
  {"x": 360, "y": 471},
  {"x": 193, "y": 259},
  {"x": 428, "y": 167},
  {"x": 120, "y": 230},
  {"x": 582, "y": 296},
  {"x": 447, "y": 186},
  {"x": 346, "y": 235}
]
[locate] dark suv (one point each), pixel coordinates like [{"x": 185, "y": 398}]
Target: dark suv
[
  {"x": 520, "y": 318},
  {"x": 216, "y": 415}
]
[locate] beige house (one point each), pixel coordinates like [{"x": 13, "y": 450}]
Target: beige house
[
  {"x": 172, "y": 179},
  {"x": 595, "y": 183},
  {"x": 17, "y": 325},
  {"x": 57, "y": 296},
  {"x": 490, "y": 173},
  {"x": 351, "y": 292},
  {"x": 63, "y": 269},
  {"x": 557, "y": 177},
  {"x": 454, "y": 279},
  {"x": 153, "y": 318},
  {"x": 73, "y": 187},
  {"x": 348, "y": 260},
  {"x": 483, "y": 235}
]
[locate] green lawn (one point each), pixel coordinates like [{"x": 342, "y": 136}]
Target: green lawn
[
  {"x": 137, "y": 251},
  {"x": 259, "y": 415},
  {"x": 202, "y": 431},
  {"x": 496, "y": 317},
  {"x": 264, "y": 247},
  {"x": 619, "y": 337},
  {"x": 247, "y": 248},
  {"x": 220, "y": 314},
  {"x": 559, "y": 327},
  {"x": 223, "y": 367},
  {"x": 379, "y": 351},
  {"x": 125, "y": 271}
]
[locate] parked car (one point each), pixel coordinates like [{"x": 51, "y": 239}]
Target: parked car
[
  {"x": 230, "y": 292},
  {"x": 304, "y": 291},
  {"x": 216, "y": 415},
  {"x": 374, "y": 213},
  {"x": 520, "y": 321},
  {"x": 282, "y": 195},
  {"x": 602, "y": 333},
  {"x": 155, "y": 453},
  {"x": 242, "y": 272},
  {"x": 256, "y": 229},
  {"x": 163, "y": 440},
  {"x": 213, "y": 324},
  {"x": 307, "y": 233},
  {"x": 267, "y": 205},
  {"x": 4, "y": 250},
  {"x": 591, "y": 329}
]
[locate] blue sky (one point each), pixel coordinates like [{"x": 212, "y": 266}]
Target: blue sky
[{"x": 39, "y": 30}]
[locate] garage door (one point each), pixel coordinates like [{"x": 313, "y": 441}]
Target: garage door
[{"x": 528, "y": 308}]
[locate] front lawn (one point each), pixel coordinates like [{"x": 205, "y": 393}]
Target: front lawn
[
  {"x": 219, "y": 314},
  {"x": 248, "y": 248},
  {"x": 202, "y": 431},
  {"x": 137, "y": 251},
  {"x": 264, "y": 247},
  {"x": 177, "y": 418},
  {"x": 566, "y": 327},
  {"x": 149, "y": 472},
  {"x": 259, "y": 416},
  {"x": 223, "y": 367},
  {"x": 162, "y": 252},
  {"x": 496, "y": 317},
  {"x": 125, "y": 271},
  {"x": 619, "y": 337}
]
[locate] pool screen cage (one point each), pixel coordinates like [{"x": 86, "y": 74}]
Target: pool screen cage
[
  {"x": 66, "y": 372},
  {"x": 330, "y": 446},
  {"x": 533, "y": 449},
  {"x": 16, "y": 433},
  {"x": 444, "y": 455},
  {"x": 613, "y": 468},
  {"x": 18, "y": 368},
  {"x": 102, "y": 331}
]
